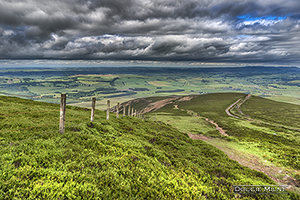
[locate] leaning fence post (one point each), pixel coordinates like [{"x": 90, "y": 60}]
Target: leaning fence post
[
  {"x": 118, "y": 107},
  {"x": 108, "y": 107},
  {"x": 128, "y": 111},
  {"x": 124, "y": 109},
  {"x": 93, "y": 109},
  {"x": 62, "y": 113}
]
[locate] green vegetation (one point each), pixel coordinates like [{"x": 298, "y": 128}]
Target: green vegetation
[
  {"x": 272, "y": 111},
  {"x": 125, "y": 158},
  {"x": 195, "y": 125},
  {"x": 284, "y": 144},
  {"x": 271, "y": 142}
]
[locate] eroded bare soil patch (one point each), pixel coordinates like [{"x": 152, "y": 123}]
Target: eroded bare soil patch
[
  {"x": 188, "y": 98},
  {"x": 158, "y": 104},
  {"x": 220, "y": 129}
]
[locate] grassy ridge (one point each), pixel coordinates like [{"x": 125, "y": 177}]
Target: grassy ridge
[
  {"x": 123, "y": 158},
  {"x": 272, "y": 111},
  {"x": 272, "y": 143},
  {"x": 284, "y": 145}
]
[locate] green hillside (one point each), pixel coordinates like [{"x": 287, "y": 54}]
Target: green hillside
[
  {"x": 284, "y": 145},
  {"x": 125, "y": 158},
  {"x": 271, "y": 134}
]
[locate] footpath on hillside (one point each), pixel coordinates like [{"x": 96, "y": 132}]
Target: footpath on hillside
[
  {"x": 243, "y": 116},
  {"x": 278, "y": 174}
]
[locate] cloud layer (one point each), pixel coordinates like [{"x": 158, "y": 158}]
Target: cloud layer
[{"x": 167, "y": 30}]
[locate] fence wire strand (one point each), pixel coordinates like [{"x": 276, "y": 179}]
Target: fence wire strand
[{"x": 41, "y": 97}]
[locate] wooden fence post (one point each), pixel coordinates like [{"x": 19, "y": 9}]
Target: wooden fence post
[
  {"x": 131, "y": 111},
  {"x": 108, "y": 107},
  {"x": 93, "y": 109},
  {"x": 124, "y": 109},
  {"x": 118, "y": 107},
  {"x": 62, "y": 119},
  {"x": 128, "y": 111}
]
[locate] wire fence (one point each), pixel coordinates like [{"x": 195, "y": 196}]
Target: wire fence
[
  {"x": 77, "y": 115},
  {"x": 40, "y": 97}
]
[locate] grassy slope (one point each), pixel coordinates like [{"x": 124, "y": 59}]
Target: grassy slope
[
  {"x": 123, "y": 158},
  {"x": 272, "y": 111},
  {"x": 284, "y": 146},
  {"x": 281, "y": 148}
]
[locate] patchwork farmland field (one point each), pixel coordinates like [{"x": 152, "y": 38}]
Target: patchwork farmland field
[{"x": 123, "y": 84}]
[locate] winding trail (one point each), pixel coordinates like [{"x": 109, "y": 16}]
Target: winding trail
[
  {"x": 238, "y": 106},
  {"x": 280, "y": 175},
  {"x": 243, "y": 116},
  {"x": 220, "y": 129},
  {"x": 228, "y": 109}
]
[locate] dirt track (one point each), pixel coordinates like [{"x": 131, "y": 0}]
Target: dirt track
[
  {"x": 278, "y": 174},
  {"x": 247, "y": 117}
]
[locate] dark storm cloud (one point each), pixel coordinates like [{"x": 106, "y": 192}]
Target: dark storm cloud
[{"x": 208, "y": 30}]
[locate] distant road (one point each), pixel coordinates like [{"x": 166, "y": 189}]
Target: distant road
[{"x": 235, "y": 103}]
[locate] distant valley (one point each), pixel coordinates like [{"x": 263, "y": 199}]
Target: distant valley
[{"x": 121, "y": 84}]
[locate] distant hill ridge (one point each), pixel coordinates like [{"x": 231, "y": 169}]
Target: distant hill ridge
[{"x": 24, "y": 72}]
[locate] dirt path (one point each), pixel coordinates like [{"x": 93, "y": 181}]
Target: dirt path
[
  {"x": 243, "y": 116},
  {"x": 278, "y": 174},
  {"x": 238, "y": 103},
  {"x": 220, "y": 129},
  {"x": 198, "y": 137},
  {"x": 231, "y": 106}
]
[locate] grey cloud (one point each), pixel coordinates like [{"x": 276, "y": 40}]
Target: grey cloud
[{"x": 150, "y": 30}]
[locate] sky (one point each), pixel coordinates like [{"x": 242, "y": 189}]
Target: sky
[{"x": 194, "y": 31}]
